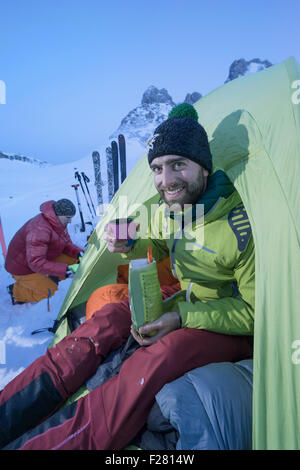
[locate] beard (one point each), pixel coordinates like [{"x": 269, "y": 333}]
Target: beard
[{"x": 189, "y": 194}]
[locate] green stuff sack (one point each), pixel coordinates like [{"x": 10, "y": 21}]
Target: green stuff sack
[{"x": 144, "y": 292}]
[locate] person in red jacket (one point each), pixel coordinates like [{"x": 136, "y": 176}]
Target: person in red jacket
[{"x": 40, "y": 252}]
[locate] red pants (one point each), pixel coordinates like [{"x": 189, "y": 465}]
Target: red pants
[{"x": 110, "y": 416}]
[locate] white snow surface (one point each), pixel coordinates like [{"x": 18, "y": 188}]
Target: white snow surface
[
  {"x": 254, "y": 67},
  {"x": 24, "y": 187}
]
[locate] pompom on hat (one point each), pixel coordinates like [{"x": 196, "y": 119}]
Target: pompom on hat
[
  {"x": 182, "y": 135},
  {"x": 64, "y": 207}
]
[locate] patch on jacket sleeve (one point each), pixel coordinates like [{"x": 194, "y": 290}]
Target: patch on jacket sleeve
[{"x": 239, "y": 222}]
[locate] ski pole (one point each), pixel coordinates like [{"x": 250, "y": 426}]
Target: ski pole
[
  {"x": 75, "y": 186},
  {"x": 77, "y": 175},
  {"x": 86, "y": 180}
]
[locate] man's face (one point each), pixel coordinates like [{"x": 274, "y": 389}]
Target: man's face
[
  {"x": 178, "y": 180},
  {"x": 64, "y": 220}
]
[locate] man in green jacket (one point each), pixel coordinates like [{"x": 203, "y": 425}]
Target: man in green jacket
[
  {"x": 212, "y": 252},
  {"x": 210, "y": 319}
]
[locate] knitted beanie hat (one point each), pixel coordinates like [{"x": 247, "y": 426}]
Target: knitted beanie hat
[
  {"x": 181, "y": 135},
  {"x": 64, "y": 207}
]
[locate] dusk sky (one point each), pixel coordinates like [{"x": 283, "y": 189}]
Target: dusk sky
[{"x": 73, "y": 69}]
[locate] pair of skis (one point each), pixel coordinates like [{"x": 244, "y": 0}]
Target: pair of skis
[
  {"x": 113, "y": 155},
  {"x": 83, "y": 178}
]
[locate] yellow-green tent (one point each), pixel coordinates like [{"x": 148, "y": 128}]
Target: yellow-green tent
[{"x": 253, "y": 125}]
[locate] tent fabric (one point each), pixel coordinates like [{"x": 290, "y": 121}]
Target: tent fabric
[{"x": 253, "y": 126}]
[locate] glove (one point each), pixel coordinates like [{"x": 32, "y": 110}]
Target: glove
[{"x": 73, "y": 268}]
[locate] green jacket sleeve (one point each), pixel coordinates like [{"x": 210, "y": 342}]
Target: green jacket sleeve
[{"x": 229, "y": 315}]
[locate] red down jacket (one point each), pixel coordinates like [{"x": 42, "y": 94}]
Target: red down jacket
[{"x": 34, "y": 247}]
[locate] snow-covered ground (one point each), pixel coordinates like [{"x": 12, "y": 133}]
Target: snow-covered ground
[{"x": 23, "y": 188}]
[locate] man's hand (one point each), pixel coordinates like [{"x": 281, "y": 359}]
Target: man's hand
[
  {"x": 168, "y": 322},
  {"x": 114, "y": 245}
]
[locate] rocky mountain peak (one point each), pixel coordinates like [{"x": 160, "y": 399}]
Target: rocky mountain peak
[
  {"x": 140, "y": 122},
  {"x": 243, "y": 67},
  {"x": 192, "y": 98},
  {"x": 154, "y": 95},
  {"x": 155, "y": 106}
]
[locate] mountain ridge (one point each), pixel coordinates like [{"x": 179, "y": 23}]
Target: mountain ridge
[
  {"x": 156, "y": 103},
  {"x": 22, "y": 158},
  {"x": 139, "y": 123}
]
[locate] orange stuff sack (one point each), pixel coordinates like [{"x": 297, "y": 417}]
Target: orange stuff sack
[{"x": 105, "y": 295}]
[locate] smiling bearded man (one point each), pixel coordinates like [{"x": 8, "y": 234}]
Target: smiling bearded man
[{"x": 178, "y": 180}]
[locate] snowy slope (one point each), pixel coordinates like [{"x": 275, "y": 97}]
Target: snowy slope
[{"x": 24, "y": 186}]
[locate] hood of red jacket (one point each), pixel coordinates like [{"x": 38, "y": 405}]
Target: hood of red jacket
[{"x": 48, "y": 212}]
